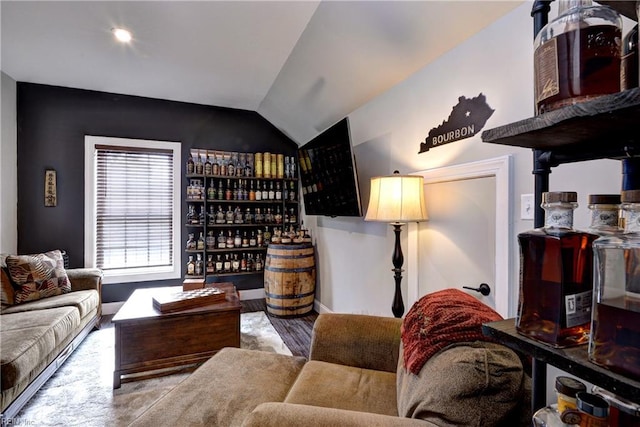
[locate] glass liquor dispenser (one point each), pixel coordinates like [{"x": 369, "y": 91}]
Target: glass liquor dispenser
[
  {"x": 577, "y": 55},
  {"x": 556, "y": 271},
  {"x": 615, "y": 331}
]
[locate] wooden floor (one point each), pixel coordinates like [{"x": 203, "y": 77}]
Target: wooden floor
[{"x": 295, "y": 332}]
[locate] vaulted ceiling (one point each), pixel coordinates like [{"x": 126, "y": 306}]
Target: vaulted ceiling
[{"x": 302, "y": 65}]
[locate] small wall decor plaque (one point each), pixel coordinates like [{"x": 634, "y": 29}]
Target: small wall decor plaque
[
  {"x": 50, "y": 191},
  {"x": 467, "y": 118}
]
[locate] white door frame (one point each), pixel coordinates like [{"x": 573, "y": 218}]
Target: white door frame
[{"x": 500, "y": 168}]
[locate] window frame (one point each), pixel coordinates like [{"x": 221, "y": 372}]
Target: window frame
[{"x": 90, "y": 160}]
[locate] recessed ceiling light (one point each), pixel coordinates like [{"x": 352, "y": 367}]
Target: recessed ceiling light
[{"x": 121, "y": 34}]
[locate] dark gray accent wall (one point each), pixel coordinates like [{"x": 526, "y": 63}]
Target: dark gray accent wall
[{"x": 52, "y": 124}]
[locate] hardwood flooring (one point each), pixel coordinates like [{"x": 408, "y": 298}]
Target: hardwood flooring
[{"x": 295, "y": 332}]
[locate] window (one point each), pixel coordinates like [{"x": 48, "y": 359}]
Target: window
[{"x": 132, "y": 199}]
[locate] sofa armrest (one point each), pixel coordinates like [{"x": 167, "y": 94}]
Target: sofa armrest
[
  {"x": 85, "y": 279},
  {"x": 276, "y": 414},
  {"x": 369, "y": 342}
]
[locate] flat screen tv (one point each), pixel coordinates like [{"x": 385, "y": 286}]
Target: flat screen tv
[{"x": 328, "y": 174}]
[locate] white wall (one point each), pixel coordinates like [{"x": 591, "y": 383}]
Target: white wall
[
  {"x": 8, "y": 167},
  {"x": 354, "y": 257}
]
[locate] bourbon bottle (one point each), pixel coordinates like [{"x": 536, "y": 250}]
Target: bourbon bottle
[
  {"x": 556, "y": 271},
  {"x": 614, "y": 342},
  {"x": 577, "y": 55}
]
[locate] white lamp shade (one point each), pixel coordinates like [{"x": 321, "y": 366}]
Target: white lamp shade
[{"x": 397, "y": 198}]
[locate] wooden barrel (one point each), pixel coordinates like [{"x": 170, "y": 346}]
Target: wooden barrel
[{"x": 290, "y": 279}]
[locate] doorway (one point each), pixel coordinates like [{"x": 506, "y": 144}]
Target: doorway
[{"x": 466, "y": 240}]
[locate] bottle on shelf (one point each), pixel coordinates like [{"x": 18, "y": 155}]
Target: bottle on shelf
[
  {"x": 605, "y": 214},
  {"x": 615, "y": 331},
  {"x": 229, "y": 217},
  {"x": 221, "y": 192},
  {"x": 199, "y": 165},
  {"x": 191, "y": 166},
  {"x": 252, "y": 193},
  {"x": 228, "y": 194},
  {"x": 566, "y": 389},
  {"x": 252, "y": 240},
  {"x": 237, "y": 239},
  {"x": 222, "y": 240},
  {"x": 265, "y": 192},
  {"x": 210, "y": 268},
  {"x": 191, "y": 266},
  {"x": 629, "y": 62},
  {"x": 207, "y": 165},
  {"x": 200, "y": 243},
  {"x": 211, "y": 240},
  {"x": 199, "y": 265},
  {"x": 191, "y": 242},
  {"x": 266, "y": 165},
  {"x": 258, "y": 193},
  {"x": 219, "y": 264},
  {"x": 235, "y": 263},
  {"x": 230, "y": 240},
  {"x": 258, "y": 264},
  {"x": 220, "y": 217},
  {"x": 226, "y": 267},
  {"x": 577, "y": 55},
  {"x": 556, "y": 270},
  {"x": 215, "y": 166}
]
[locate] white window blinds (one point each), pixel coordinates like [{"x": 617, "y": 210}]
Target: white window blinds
[{"x": 134, "y": 208}]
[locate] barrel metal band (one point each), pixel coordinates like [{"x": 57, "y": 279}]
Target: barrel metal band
[
  {"x": 289, "y": 270},
  {"x": 274, "y": 296},
  {"x": 298, "y": 307},
  {"x": 289, "y": 256}
]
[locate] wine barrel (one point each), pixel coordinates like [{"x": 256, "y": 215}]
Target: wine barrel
[{"x": 290, "y": 279}]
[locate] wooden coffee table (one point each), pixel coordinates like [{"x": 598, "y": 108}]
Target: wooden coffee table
[{"x": 147, "y": 340}]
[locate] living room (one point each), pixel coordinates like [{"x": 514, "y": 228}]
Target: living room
[{"x": 44, "y": 124}]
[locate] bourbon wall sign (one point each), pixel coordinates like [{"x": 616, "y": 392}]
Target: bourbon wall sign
[{"x": 467, "y": 118}]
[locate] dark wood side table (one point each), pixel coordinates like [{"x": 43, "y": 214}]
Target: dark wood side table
[
  {"x": 147, "y": 340},
  {"x": 573, "y": 360}
]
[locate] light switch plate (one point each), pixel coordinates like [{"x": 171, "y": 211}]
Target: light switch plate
[{"x": 526, "y": 206}]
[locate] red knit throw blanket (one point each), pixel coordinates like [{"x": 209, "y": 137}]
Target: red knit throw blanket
[{"x": 440, "y": 319}]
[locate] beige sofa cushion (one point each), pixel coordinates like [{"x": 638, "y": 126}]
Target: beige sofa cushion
[
  {"x": 85, "y": 301},
  {"x": 345, "y": 387},
  {"x": 465, "y": 384},
  {"x": 30, "y": 337},
  {"x": 225, "y": 389}
]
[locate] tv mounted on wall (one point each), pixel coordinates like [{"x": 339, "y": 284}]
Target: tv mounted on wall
[{"x": 328, "y": 173}]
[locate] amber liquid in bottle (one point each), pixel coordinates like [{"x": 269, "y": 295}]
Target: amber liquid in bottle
[
  {"x": 556, "y": 286},
  {"x": 588, "y": 65}
]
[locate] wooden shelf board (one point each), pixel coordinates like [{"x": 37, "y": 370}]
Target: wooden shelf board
[
  {"x": 573, "y": 359},
  {"x": 604, "y": 122}
]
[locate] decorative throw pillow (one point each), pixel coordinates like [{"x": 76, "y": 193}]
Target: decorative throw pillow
[
  {"x": 7, "y": 293},
  {"x": 38, "y": 276}
]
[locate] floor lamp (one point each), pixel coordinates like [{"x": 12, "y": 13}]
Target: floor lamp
[{"x": 397, "y": 199}]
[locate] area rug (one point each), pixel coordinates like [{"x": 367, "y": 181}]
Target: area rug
[{"x": 81, "y": 393}]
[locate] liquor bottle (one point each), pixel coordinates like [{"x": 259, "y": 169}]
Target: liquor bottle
[
  {"x": 228, "y": 194},
  {"x": 223, "y": 165},
  {"x": 235, "y": 194},
  {"x": 556, "y": 271},
  {"x": 199, "y": 265},
  {"x": 199, "y": 165},
  {"x": 252, "y": 240},
  {"x": 292, "y": 192},
  {"x": 220, "y": 191},
  {"x": 268, "y": 217},
  {"x": 259, "y": 238},
  {"x": 248, "y": 216},
  {"x": 191, "y": 166},
  {"x": 229, "y": 215},
  {"x": 191, "y": 266},
  {"x": 629, "y": 61},
  {"x": 265, "y": 192},
  {"x": 278, "y": 216},
  {"x": 266, "y": 165},
  {"x": 577, "y": 55},
  {"x": 248, "y": 168},
  {"x": 191, "y": 242},
  {"x": 258, "y": 217},
  {"x": 215, "y": 166},
  {"x": 245, "y": 192},
  {"x": 230, "y": 240},
  {"x": 272, "y": 193},
  {"x": 211, "y": 215},
  {"x": 235, "y": 263},
  {"x": 237, "y": 240},
  {"x": 615, "y": 336},
  {"x": 231, "y": 167},
  {"x": 211, "y": 191},
  {"x": 266, "y": 236},
  {"x": 250, "y": 263},
  {"x": 287, "y": 169},
  {"x": 293, "y": 219},
  {"x": 201, "y": 216},
  {"x": 292, "y": 167},
  {"x": 227, "y": 263},
  {"x": 222, "y": 240},
  {"x": 207, "y": 165},
  {"x": 211, "y": 240},
  {"x": 258, "y": 264},
  {"x": 605, "y": 213},
  {"x": 252, "y": 193},
  {"x": 258, "y": 191},
  {"x": 219, "y": 264},
  {"x": 257, "y": 168},
  {"x": 200, "y": 243},
  {"x": 243, "y": 262},
  {"x": 237, "y": 216},
  {"x": 192, "y": 218},
  {"x": 245, "y": 240},
  {"x": 219, "y": 216},
  {"x": 278, "y": 191},
  {"x": 211, "y": 268}
]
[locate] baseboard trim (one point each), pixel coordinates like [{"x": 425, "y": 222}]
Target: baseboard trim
[
  {"x": 251, "y": 294},
  {"x": 321, "y": 308}
]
